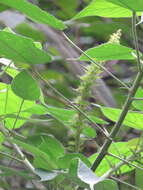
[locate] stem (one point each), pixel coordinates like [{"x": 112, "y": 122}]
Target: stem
[
  {"x": 17, "y": 149},
  {"x": 17, "y": 116},
  {"x": 125, "y": 183},
  {"x": 12, "y": 157},
  {"x": 92, "y": 60},
  {"x": 71, "y": 104},
  {"x": 118, "y": 124}
]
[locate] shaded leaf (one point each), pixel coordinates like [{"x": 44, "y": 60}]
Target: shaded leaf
[
  {"x": 24, "y": 86},
  {"x": 34, "y": 13},
  {"x": 107, "y": 184},
  {"x": 21, "y": 49},
  {"x": 41, "y": 159}
]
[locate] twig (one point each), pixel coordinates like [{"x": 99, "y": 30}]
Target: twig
[
  {"x": 125, "y": 183},
  {"x": 71, "y": 104},
  {"x": 92, "y": 60},
  {"x": 17, "y": 149}
]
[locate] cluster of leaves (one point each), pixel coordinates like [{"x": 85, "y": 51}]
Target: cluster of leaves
[{"x": 23, "y": 101}]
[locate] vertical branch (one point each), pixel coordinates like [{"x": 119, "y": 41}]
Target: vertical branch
[{"x": 117, "y": 126}]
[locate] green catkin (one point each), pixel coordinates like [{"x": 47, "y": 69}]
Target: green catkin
[{"x": 84, "y": 92}]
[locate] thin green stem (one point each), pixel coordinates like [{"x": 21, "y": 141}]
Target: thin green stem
[
  {"x": 71, "y": 104},
  {"x": 126, "y": 161},
  {"x": 92, "y": 60},
  {"x": 17, "y": 116},
  {"x": 25, "y": 161},
  {"x": 6, "y": 99},
  {"x": 11, "y": 157},
  {"x": 125, "y": 183}
]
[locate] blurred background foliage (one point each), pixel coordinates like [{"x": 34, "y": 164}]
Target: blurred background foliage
[{"x": 64, "y": 76}]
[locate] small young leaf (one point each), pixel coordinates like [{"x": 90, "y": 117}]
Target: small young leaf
[
  {"x": 107, "y": 52},
  {"x": 24, "y": 86},
  {"x": 21, "y": 49},
  {"x": 34, "y": 13}
]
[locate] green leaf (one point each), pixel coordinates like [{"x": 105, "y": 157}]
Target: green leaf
[
  {"x": 31, "y": 32},
  {"x": 138, "y": 104},
  {"x": 34, "y": 13},
  {"x": 24, "y": 86},
  {"x": 52, "y": 147},
  {"x": 121, "y": 149},
  {"x": 10, "y": 104},
  {"x": 89, "y": 132},
  {"x": 107, "y": 52},
  {"x": 66, "y": 115},
  {"x": 21, "y": 49},
  {"x": 107, "y": 184},
  {"x": 104, "y": 8},
  {"x": 132, "y": 119},
  {"x": 129, "y": 4},
  {"x": 41, "y": 159}
]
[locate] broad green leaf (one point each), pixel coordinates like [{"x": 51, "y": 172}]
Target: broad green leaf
[
  {"x": 66, "y": 115},
  {"x": 41, "y": 159},
  {"x": 28, "y": 31},
  {"x": 107, "y": 52},
  {"x": 10, "y": 104},
  {"x": 24, "y": 86},
  {"x": 132, "y": 119},
  {"x": 104, "y": 8},
  {"x": 34, "y": 13},
  {"x": 138, "y": 104},
  {"x": 21, "y": 49},
  {"x": 121, "y": 149},
  {"x": 129, "y": 4},
  {"x": 107, "y": 184},
  {"x": 52, "y": 147}
]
